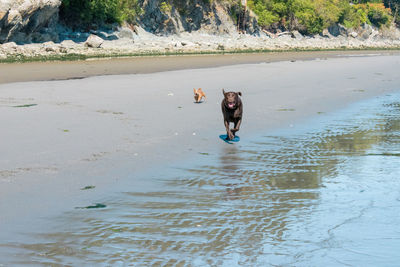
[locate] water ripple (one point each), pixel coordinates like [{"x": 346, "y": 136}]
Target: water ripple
[{"x": 326, "y": 195}]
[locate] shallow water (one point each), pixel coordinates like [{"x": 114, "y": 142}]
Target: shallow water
[{"x": 324, "y": 193}]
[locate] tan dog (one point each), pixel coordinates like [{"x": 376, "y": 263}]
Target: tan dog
[{"x": 198, "y": 95}]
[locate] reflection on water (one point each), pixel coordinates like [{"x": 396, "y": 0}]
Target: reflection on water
[{"x": 326, "y": 194}]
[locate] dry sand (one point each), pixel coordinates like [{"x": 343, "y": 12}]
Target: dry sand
[{"x": 60, "y": 136}]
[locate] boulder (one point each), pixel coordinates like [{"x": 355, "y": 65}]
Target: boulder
[
  {"x": 50, "y": 47},
  {"x": 125, "y": 32},
  {"x": 105, "y": 34},
  {"x": 94, "y": 41},
  {"x": 326, "y": 34},
  {"x": 353, "y": 34},
  {"x": 9, "y": 46},
  {"x": 337, "y": 29},
  {"x": 27, "y": 17},
  {"x": 366, "y": 28},
  {"x": 297, "y": 35},
  {"x": 366, "y": 31},
  {"x": 391, "y": 33},
  {"x": 68, "y": 43}
]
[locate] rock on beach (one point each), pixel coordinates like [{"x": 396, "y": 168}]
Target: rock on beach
[{"x": 94, "y": 41}]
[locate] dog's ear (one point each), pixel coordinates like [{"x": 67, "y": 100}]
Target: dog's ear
[
  {"x": 194, "y": 90},
  {"x": 223, "y": 91},
  {"x": 239, "y": 93}
]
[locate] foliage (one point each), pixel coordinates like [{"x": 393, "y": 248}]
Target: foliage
[
  {"x": 78, "y": 13},
  {"x": 394, "y": 5},
  {"x": 312, "y": 16},
  {"x": 372, "y": 13},
  {"x": 265, "y": 16},
  {"x": 329, "y": 10},
  {"x": 353, "y": 16},
  {"x": 304, "y": 11},
  {"x": 130, "y": 9},
  {"x": 307, "y": 16},
  {"x": 379, "y": 15},
  {"x": 165, "y": 7},
  {"x": 290, "y": 14}
]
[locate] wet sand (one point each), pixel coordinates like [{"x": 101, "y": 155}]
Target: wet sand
[
  {"x": 324, "y": 192},
  {"x": 61, "y": 136},
  {"x": 56, "y": 70}
]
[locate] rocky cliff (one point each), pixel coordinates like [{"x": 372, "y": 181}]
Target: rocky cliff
[
  {"x": 37, "y": 21},
  {"x": 32, "y": 29},
  {"x": 190, "y": 16},
  {"x": 28, "y": 20}
]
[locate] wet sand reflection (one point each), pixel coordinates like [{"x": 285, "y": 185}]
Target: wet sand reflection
[{"x": 295, "y": 198}]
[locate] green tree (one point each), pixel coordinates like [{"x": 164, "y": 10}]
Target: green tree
[
  {"x": 302, "y": 15},
  {"x": 378, "y": 15},
  {"x": 353, "y": 16},
  {"x": 265, "y": 12},
  {"x": 394, "y": 5}
]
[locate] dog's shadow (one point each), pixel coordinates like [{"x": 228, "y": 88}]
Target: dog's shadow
[{"x": 224, "y": 138}]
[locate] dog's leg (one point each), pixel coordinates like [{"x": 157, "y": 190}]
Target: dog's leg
[
  {"x": 228, "y": 132},
  {"x": 236, "y": 127}
]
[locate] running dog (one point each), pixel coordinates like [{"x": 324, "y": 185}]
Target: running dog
[
  {"x": 198, "y": 95},
  {"x": 232, "y": 110}
]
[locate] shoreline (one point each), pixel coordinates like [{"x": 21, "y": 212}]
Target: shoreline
[
  {"x": 143, "y": 44},
  {"x": 79, "y": 69},
  {"x": 20, "y": 58}
]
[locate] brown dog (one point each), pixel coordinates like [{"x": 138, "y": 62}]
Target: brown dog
[
  {"x": 232, "y": 109},
  {"x": 198, "y": 95}
]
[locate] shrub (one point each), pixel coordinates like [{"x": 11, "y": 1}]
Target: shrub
[
  {"x": 265, "y": 17},
  {"x": 379, "y": 15},
  {"x": 83, "y": 14},
  {"x": 372, "y": 13},
  {"x": 129, "y": 10},
  {"x": 312, "y": 16},
  {"x": 330, "y": 10},
  {"x": 353, "y": 16},
  {"x": 304, "y": 11},
  {"x": 77, "y": 12},
  {"x": 292, "y": 14}
]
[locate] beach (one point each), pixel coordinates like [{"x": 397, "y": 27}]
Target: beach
[
  {"x": 79, "y": 69},
  {"x": 67, "y": 128}
]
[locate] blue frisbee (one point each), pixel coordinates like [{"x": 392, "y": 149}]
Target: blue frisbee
[{"x": 224, "y": 137}]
